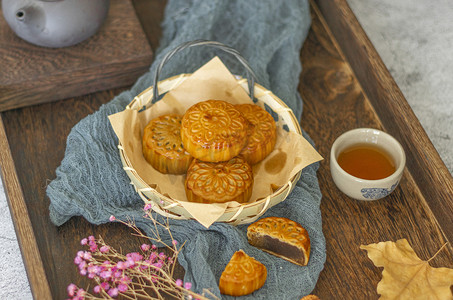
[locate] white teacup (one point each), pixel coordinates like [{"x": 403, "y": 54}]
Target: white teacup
[{"x": 363, "y": 189}]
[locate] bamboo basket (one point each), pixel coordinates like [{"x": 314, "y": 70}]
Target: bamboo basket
[{"x": 245, "y": 212}]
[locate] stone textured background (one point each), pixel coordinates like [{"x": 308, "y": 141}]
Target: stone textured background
[{"x": 414, "y": 39}]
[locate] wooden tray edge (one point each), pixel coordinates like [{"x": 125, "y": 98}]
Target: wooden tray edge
[
  {"x": 22, "y": 224},
  {"x": 16, "y": 97},
  {"x": 423, "y": 160}
]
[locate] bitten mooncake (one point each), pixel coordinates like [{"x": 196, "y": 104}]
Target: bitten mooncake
[
  {"x": 262, "y": 133},
  {"x": 282, "y": 237},
  {"x": 213, "y": 131},
  {"x": 243, "y": 275},
  {"x": 162, "y": 146},
  {"x": 208, "y": 182}
]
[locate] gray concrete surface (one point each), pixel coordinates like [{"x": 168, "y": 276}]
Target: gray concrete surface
[{"x": 415, "y": 41}]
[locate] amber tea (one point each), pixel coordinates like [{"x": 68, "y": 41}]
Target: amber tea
[{"x": 366, "y": 162}]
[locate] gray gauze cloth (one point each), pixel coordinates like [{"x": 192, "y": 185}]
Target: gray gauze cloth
[{"x": 90, "y": 181}]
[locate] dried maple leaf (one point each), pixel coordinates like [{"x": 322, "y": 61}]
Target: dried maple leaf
[{"x": 405, "y": 276}]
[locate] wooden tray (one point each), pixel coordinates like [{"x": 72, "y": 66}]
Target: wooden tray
[
  {"x": 115, "y": 56},
  {"x": 344, "y": 85}
]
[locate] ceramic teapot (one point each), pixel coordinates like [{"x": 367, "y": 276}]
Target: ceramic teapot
[{"x": 55, "y": 23}]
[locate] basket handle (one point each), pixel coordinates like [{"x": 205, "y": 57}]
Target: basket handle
[{"x": 251, "y": 77}]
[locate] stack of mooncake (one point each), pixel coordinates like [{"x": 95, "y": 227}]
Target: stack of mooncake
[{"x": 215, "y": 143}]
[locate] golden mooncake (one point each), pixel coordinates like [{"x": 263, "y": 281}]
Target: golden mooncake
[
  {"x": 213, "y": 131},
  {"x": 243, "y": 275},
  {"x": 162, "y": 146},
  {"x": 310, "y": 297},
  {"x": 262, "y": 133},
  {"x": 282, "y": 237},
  {"x": 220, "y": 182}
]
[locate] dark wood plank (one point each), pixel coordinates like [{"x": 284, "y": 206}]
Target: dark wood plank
[
  {"x": 114, "y": 57},
  {"x": 429, "y": 171},
  {"x": 23, "y": 226},
  {"x": 334, "y": 103}
]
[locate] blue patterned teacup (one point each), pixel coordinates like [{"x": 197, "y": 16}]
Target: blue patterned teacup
[{"x": 365, "y": 189}]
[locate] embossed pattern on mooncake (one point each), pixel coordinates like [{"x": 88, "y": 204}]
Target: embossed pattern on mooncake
[
  {"x": 281, "y": 237},
  {"x": 162, "y": 146},
  {"x": 213, "y": 131},
  {"x": 220, "y": 182},
  {"x": 262, "y": 133},
  {"x": 242, "y": 275}
]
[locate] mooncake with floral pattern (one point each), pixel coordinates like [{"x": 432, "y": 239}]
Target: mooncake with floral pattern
[
  {"x": 214, "y": 130},
  {"x": 219, "y": 182}
]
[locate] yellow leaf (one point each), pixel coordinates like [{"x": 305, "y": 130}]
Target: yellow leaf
[{"x": 405, "y": 276}]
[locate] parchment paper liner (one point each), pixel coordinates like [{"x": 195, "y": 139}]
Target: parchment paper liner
[{"x": 291, "y": 154}]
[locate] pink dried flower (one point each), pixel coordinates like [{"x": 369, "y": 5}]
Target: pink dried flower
[
  {"x": 82, "y": 265},
  {"x": 117, "y": 274},
  {"x": 148, "y": 206},
  {"x": 152, "y": 257},
  {"x": 145, "y": 247},
  {"x": 83, "y": 241},
  {"x": 106, "y": 274},
  {"x": 71, "y": 289},
  {"x": 87, "y": 255},
  {"x": 106, "y": 263},
  {"x": 188, "y": 285},
  {"x": 113, "y": 292},
  {"x": 174, "y": 242},
  {"x": 125, "y": 280},
  {"x": 135, "y": 256},
  {"x": 129, "y": 262},
  {"x": 93, "y": 248},
  {"x": 121, "y": 265},
  {"x": 97, "y": 289},
  {"x": 178, "y": 282},
  {"x": 104, "y": 249},
  {"x": 81, "y": 293},
  {"x": 112, "y": 218},
  {"x": 105, "y": 286},
  {"x": 80, "y": 253},
  {"x": 78, "y": 260},
  {"x": 91, "y": 238},
  {"x": 92, "y": 269},
  {"x": 122, "y": 287}
]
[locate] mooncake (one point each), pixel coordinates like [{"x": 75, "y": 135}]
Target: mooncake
[
  {"x": 310, "y": 297},
  {"x": 281, "y": 237},
  {"x": 242, "y": 275},
  {"x": 162, "y": 146},
  {"x": 213, "y": 131},
  {"x": 262, "y": 133},
  {"x": 220, "y": 182}
]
